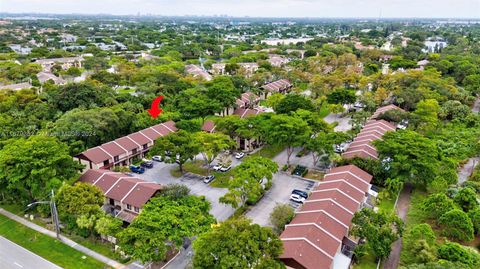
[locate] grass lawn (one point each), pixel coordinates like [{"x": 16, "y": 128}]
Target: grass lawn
[
  {"x": 324, "y": 110},
  {"x": 367, "y": 262},
  {"x": 315, "y": 175},
  {"x": 269, "y": 151},
  {"x": 45, "y": 246},
  {"x": 196, "y": 167}
]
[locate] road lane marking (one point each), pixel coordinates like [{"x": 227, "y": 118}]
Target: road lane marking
[{"x": 18, "y": 265}]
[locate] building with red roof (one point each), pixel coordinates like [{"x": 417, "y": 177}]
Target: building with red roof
[
  {"x": 123, "y": 150},
  {"x": 317, "y": 237},
  {"x": 124, "y": 195},
  {"x": 279, "y": 86}
]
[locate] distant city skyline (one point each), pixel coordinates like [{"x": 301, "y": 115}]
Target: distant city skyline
[{"x": 255, "y": 8}]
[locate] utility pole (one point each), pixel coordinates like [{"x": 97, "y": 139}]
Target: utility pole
[{"x": 55, "y": 221}]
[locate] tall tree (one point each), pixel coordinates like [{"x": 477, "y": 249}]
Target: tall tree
[
  {"x": 79, "y": 199},
  {"x": 254, "y": 247},
  {"x": 180, "y": 146},
  {"x": 247, "y": 184},
  {"x": 30, "y": 168},
  {"x": 211, "y": 144},
  {"x": 287, "y": 131},
  {"x": 164, "y": 223},
  {"x": 379, "y": 229}
]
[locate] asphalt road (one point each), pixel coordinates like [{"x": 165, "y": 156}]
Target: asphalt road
[{"x": 13, "y": 256}]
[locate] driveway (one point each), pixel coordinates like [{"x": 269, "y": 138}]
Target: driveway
[
  {"x": 343, "y": 122},
  {"x": 160, "y": 173},
  {"x": 282, "y": 187}
]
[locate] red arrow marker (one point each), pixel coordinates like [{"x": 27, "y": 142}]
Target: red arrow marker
[{"x": 155, "y": 110}]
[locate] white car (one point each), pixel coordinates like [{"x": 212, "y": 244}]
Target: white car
[
  {"x": 217, "y": 167},
  {"x": 402, "y": 125},
  {"x": 239, "y": 155},
  {"x": 297, "y": 198},
  {"x": 225, "y": 169},
  {"x": 157, "y": 158}
]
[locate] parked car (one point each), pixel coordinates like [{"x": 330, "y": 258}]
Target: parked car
[
  {"x": 137, "y": 169},
  {"x": 225, "y": 169},
  {"x": 157, "y": 158},
  {"x": 402, "y": 125},
  {"x": 340, "y": 148},
  {"x": 147, "y": 164},
  {"x": 239, "y": 155},
  {"x": 300, "y": 171},
  {"x": 301, "y": 193},
  {"x": 208, "y": 179},
  {"x": 217, "y": 167},
  {"x": 297, "y": 198}
]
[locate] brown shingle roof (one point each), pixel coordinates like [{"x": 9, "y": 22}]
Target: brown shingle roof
[
  {"x": 208, "y": 126},
  {"x": 247, "y": 112},
  {"x": 384, "y": 109},
  {"x": 120, "y": 187},
  {"x": 277, "y": 86},
  {"x": 314, "y": 236}
]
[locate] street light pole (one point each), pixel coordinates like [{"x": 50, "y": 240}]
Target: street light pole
[{"x": 53, "y": 210}]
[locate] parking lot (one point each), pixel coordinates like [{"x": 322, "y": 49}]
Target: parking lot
[
  {"x": 160, "y": 173},
  {"x": 282, "y": 187}
]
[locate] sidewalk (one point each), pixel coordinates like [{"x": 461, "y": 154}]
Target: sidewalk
[
  {"x": 65, "y": 240},
  {"x": 403, "y": 204}
]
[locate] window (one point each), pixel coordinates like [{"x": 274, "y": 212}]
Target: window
[
  {"x": 136, "y": 209},
  {"x": 134, "y": 151},
  {"x": 116, "y": 159},
  {"x": 145, "y": 146},
  {"x": 129, "y": 207},
  {"x": 105, "y": 163}
]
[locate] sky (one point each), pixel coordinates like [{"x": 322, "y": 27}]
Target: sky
[{"x": 255, "y": 8}]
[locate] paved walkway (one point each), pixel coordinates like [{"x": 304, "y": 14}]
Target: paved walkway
[
  {"x": 65, "y": 240},
  {"x": 403, "y": 204},
  {"x": 476, "y": 106}
]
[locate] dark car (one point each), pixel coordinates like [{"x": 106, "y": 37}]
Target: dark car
[
  {"x": 137, "y": 169},
  {"x": 300, "y": 193},
  {"x": 208, "y": 179},
  {"x": 147, "y": 164},
  {"x": 300, "y": 171}
]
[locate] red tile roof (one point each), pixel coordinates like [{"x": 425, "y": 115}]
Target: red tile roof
[
  {"x": 276, "y": 86},
  {"x": 121, "y": 145},
  {"x": 246, "y": 112},
  {"x": 384, "y": 109},
  {"x": 208, "y": 126},
  {"x": 314, "y": 236},
  {"x": 121, "y": 187}
]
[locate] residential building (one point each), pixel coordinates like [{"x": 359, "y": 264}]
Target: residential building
[
  {"x": 317, "y": 237},
  {"x": 247, "y": 68},
  {"x": 279, "y": 86},
  {"x": 123, "y": 151},
  {"x": 46, "y": 76},
  {"x": 65, "y": 63},
  {"x": 197, "y": 71},
  {"x": 372, "y": 130},
  {"x": 125, "y": 195},
  {"x": 17, "y": 86},
  {"x": 277, "y": 60},
  {"x": 19, "y": 49}
]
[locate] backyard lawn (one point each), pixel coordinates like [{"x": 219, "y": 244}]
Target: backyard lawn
[
  {"x": 269, "y": 151},
  {"x": 45, "y": 246}
]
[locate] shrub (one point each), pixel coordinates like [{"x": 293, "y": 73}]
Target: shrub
[
  {"x": 281, "y": 215},
  {"x": 457, "y": 225}
]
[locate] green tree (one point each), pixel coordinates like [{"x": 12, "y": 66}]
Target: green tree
[
  {"x": 436, "y": 205},
  {"x": 455, "y": 252},
  {"x": 108, "y": 225},
  {"x": 254, "y": 247},
  {"x": 164, "y": 223},
  {"x": 379, "y": 229},
  {"x": 211, "y": 144},
  {"x": 415, "y": 158},
  {"x": 181, "y": 146},
  {"x": 466, "y": 199},
  {"x": 427, "y": 112},
  {"x": 79, "y": 199},
  {"x": 341, "y": 96},
  {"x": 457, "y": 225},
  {"x": 293, "y": 102},
  {"x": 474, "y": 216},
  {"x": 223, "y": 91},
  {"x": 419, "y": 244},
  {"x": 247, "y": 184},
  {"x": 30, "y": 168},
  {"x": 286, "y": 131},
  {"x": 281, "y": 215}
]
